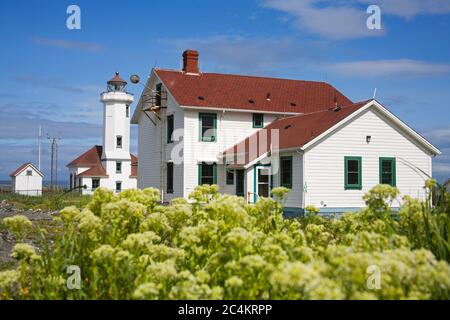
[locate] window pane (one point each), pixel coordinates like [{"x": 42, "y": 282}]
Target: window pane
[
  {"x": 207, "y": 170},
  {"x": 263, "y": 190},
  {"x": 263, "y": 176},
  {"x": 208, "y": 180},
  {"x": 208, "y": 121},
  {"x": 352, "y": 178},
  {"x": 352, "y": 165},
  {"x": 386, "y": 178},
  {"x": 207, "y": 132}
]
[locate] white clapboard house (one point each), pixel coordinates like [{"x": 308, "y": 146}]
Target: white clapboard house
[
  {"x": 250, "y": 134},
  {"x": 110, "y": 165},
  {"x": 27, "y": 180}
]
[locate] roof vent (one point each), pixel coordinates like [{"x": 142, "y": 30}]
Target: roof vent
[
  {"x": 337, "y": 108},
  {"x": 268, "y": 96},
  {"x": 201, "y": 98},
  {"x": 287, "y": 127},
  {"x": 293, "y": 104},
  {"x": 251, "y": 101}
]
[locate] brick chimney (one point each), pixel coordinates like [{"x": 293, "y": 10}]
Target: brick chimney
[{"x": 190, "y": 61}]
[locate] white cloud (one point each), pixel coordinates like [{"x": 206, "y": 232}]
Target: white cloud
[
  {"x": 250, "y": 55},
  {"x": 66, "y": 44},
  {"x": 335, "y": 21},
  {"x": 383, "y": 68},
  {"x": 410, "y": 8},
  {"x": 347, "y": 19}
]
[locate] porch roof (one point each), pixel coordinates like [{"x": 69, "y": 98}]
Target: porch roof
[{"x": 292, "y": 132}]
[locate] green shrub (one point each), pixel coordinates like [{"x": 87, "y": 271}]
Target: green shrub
[{"x": 219, "y": 247}]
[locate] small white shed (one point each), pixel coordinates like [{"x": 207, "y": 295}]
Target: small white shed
[{"x": 27, "y": 180}]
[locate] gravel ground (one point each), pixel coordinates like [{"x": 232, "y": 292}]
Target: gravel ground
[{"x": 6, "y": 238}]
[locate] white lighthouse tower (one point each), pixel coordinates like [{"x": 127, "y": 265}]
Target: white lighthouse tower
[
  {"x": 110, "y": 165},
  {"x": 116, "y": 158}
]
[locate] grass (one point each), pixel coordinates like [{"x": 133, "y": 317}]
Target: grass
[{"x": 50, "y": 200}]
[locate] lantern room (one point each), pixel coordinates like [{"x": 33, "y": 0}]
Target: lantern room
[{"x": 116, "y": 84}]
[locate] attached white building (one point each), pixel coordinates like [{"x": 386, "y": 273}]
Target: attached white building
[
  {"x": 111, "y": 165},
  {"x": 27, "y": 180},
  {"x": 250, "y": 134}
]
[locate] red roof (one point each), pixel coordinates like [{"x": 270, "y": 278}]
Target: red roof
[
  {"x": 294, "y": 132},
  {"x": 250, "y": 93},
  {"x": 117, "y": 78},
  {"x": 93, "y": 159},
  {"x": 23, "y": 167}
]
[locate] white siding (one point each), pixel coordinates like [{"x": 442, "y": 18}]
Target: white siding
[
  {"x": 324, "y": 162},
  {"x": 232, "y": 127},
  {"x": 150, "y": 170},
  {"x": 294, "y": 198},
  {"x": 30, "y": 185}
]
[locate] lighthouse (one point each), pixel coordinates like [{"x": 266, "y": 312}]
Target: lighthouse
[{"x": 110, "y": 165}]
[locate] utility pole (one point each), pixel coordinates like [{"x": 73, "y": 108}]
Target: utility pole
[{"x": 54, "y": 162}]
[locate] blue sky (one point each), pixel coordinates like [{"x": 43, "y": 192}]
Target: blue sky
[{"x": 52, "y": 76}]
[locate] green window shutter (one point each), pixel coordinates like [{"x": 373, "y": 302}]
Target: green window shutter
[
  {"x": 353, "y": 173},
  {"x": 388, "y": 171},
  {"x": 199, "y": 174},
  {"x": 214, "y": 173}
]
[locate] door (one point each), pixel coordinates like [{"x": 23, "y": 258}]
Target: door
[
  {"x": 263, "y": 181},
  {"x": 240, "y": 183}
]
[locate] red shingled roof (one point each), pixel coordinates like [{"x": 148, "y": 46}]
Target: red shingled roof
[
  {"x": 294, "y": 132},
  {"x": 237, "y": 91},
  {"x": 23, "y": 167},
  {"x": 92, "y": 158}
]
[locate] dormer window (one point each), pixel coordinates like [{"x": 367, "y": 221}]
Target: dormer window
[{"x": 119, "y": 142}]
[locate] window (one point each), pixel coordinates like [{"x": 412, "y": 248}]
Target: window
[
  {"x": 118, "y": 167},
  {"x": 158, "y": 94},
  {"x": 353, "y": 173},
  {"x": 118, "y": 186},
  {"x": 388, "y": 171},
  {"x": 71, "y": 181},
  {"x": 95, "y": 183},
  {"x": 128, "y": 111},
  {"x": 169, "y": 177},
  {"x": 208, "y": 126},
  {"x": 286, "y": 172},
  {"x": 169, "y": 128},
  {"x": 29, "y": 172},
  {"x": 119, "y": 141},
  {"x": 207, "y": 174},
  {"x": 230, "y": 176},
  {"x": 258, "y": 120}
]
